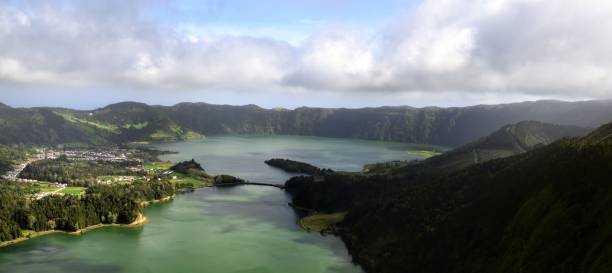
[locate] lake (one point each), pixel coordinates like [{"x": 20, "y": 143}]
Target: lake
[{"x": 220, "y": 230}]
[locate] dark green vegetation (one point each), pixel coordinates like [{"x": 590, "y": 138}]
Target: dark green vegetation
[
  {"x": 509, "y": 140},
  {"x": 9, "y": 156},
  {"x": 131, "y": 122},
  {"x": 431, "y": 125},
  {"x": 117, "y": 123},
  {"x": 75, "y": 172},
  {"x": 190, "y": 175},
  {"x": 144, "y": 153},
  {"x": 224, "y": 179},
  {"x": 293, "y": 166},
  {"x": 99, "y": 205},
  {"x": 44, "y": 126},
  {"x": 187, "y": 167},
  {"x": 545, "y": 210},
  {"x": 192, "y": 171}
]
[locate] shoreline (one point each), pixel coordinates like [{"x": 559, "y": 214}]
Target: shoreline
[
  {"x": 156, "y": 201},
  {"x": 140, "y": 221}
]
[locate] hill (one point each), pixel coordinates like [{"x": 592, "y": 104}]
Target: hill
[
  {"x": 509, "y": 140},
  {"x": 118, "y": 123},
  {"x": 130, "y": 121},
  {"x": 601, "y": 135},
  {"x": 455, "y": 126},
  {"x": 44, "y": 126},
  {"x": 545, "y": 210},
  {"x": 292, "y": 166}
]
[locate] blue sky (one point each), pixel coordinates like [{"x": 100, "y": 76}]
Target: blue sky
[
  {"x": 278, "y": 13},
  {"x": 290, "y": 21},
  {"x": 85, "y": 54}
]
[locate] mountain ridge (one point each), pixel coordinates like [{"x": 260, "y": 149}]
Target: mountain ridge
[
  {"x": 545, "y": 210},
  {"x": 511, "y": 139},
  {"x": 453, "y": 127}
]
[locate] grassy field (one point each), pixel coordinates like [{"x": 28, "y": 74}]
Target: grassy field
[
  {"x": 71, "y": 118},
  {"x": 321, "y": 221},
  {"x": 73, "y": 190},
  {"x": 423, "y": 153},
  {"x": 45, "y": 186},
  {"x": 152, "y": 166},
  {"x": 181, "y": 179},
  {"x": 186, "y": 180}
]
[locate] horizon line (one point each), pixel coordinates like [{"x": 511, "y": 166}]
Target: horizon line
[{"x": 304, "y": 106}]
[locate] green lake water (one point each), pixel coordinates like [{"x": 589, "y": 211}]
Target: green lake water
[{"x": 246, "y": 229}]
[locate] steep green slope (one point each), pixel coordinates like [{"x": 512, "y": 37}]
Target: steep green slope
[
  {"x": 129, "y": 121},
  {"x": 119, "y": 123},
  {"x": 454, "y": 126},
  {"x": 510, "y": 140},
  {"x": 43, "y": 126},
  {"x": 547, "y": 210},
  {"x": 10, "y": 156},
  {"x": 601, "y": 135}
]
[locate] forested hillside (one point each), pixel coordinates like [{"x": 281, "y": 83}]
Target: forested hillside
[
  {"x": 10, "y": 156},
  {"x": 509, "y": 140},
  {"x": 103, "y": 204},
  {"x": 129, "y": 122},
  {"x": 75, "y": 172},
  {"x": 44, "y": 126},
  {"x": 546, "y": 210},
  {"x": 454, "y": 126}
]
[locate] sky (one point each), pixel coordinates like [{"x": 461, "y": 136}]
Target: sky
[{"x": 326, "y": 53}]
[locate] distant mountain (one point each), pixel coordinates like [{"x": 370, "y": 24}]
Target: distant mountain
[
  {"x": 601, "y": 135},
  {"x": 453, "y": 127},
  {"x": 545, "y": 210},
  {"x": 117, "y": 123},
  {"x": 130, "y": 121},
  {"x": 509, "y": 140},
  {"x": 44, "y": 126}
]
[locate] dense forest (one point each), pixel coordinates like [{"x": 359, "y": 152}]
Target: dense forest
[
  {"x": 545, "y": 210},
  {"x": 453, "y": 127},
  {"x": 188, "y": 167},
  {"x": 293, "y": 166},
  {"x": 75, "y": 172},
  {"x": 509, "y": 140},
  {"x": 133, "y": 122},
  {"x": 101, "y": 204},
  {"x": 9, "y": 156}
]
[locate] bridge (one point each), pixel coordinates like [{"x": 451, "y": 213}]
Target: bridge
[{"x": 282, "y": 187}]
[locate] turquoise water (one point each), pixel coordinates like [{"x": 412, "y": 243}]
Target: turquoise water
[
  {"x": 244, "y": 156},
  {"x": 218, "y": 230}
]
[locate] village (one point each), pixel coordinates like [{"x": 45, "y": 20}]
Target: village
[
  {"x": 111, "y": 155},
  {"x": 46, "y": 188}
]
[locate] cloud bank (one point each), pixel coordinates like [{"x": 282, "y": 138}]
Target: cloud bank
[{"x": 532, "y": 47}]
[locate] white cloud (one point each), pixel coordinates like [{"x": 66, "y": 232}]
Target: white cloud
[
  {"x": 534, "y": 47},
  {"x": 555, "y": 48},
  {"x": 336, "y": 60}
]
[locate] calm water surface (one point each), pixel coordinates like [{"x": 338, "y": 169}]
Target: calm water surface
[{"x": 218, "y": 230}]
